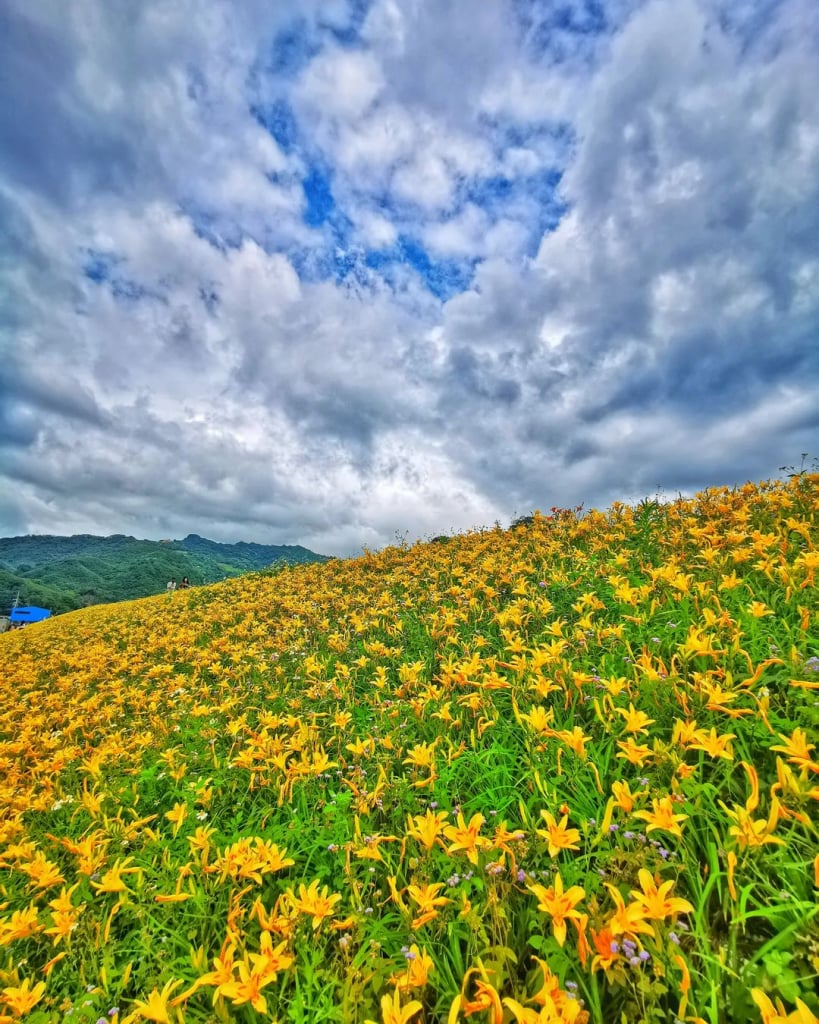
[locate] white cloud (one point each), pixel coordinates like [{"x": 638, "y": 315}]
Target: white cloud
[
  {"x": 533, "y": 95},
  {"x": 471, "y": 234},
  {"x": 520, "y": 160},
  {"x": 461, "y": 235},
  {"x": 368, "y": 149},
  {"x": 237, "y": 373},
  {"x": 340, "y": 83},
  {"x": 377, "y": 231},
  {"x": 425, "y": 180}
]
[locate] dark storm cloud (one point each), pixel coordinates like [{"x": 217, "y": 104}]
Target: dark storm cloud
[
  {"x": 34, "y": 139},
  {"x": 35, "y": 389},
  {"x": 18, "y": 426},
  {"x": 479, "y": 377},
  {"x": 51, "y": 142}
]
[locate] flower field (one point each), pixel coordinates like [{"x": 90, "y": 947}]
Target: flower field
[{"x": 561, "y": 772}]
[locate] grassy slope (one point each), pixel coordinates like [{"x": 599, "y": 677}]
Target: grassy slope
[{"x": 507, "y": 675}]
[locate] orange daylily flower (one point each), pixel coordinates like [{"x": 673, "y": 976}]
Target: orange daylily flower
[
  {"x": 21, "y": 999},
  {"x": 44, "y": 874},
  {"x": 557, "y": 835},
  {"x": 486, "y": 998},
  {"x": 427, "y": 828},
  {"x": 313, "y": 902},
  {"x": 623, "y": 796},
  {"x": 392, "y": 1012},
  {"x": 634, "y": 753},
  {"x": 247, "y": 988},
  {"x": 607, "y": 948},
  {"x": 415, "y": 974},
  {"x": 797, "y": 749},
  {"x": 421, "y": 756},
  {"x": 268, "y": 962},
  {"x": 503, "y": 837},
  {"x": 539, "y": 719},
  {"x": 548, "y": 1013},
  {"x": 775, "y": 1013},
  {"x": 685, "y": 732},
  {"x": 636, "y": 721},
  {"x": 155, "y": 1008},
  {"x": 575, "y": 739},
  {"x": 559, "y": 905},
  {"x": 20, "y": 925},
  {"x": 627, "y": 919},
  {"x": 713, "y": 744},
  {"x": 428, "y": 901},
  {"x": 112, "y": 880},
  {"x": 177, "y": 816},
  {"x": 752, "y": 832},
  {"x": 466, "y": 838},
  {"x": 656, "y": 900},
  {"x": 222, "y": 975},
  {"x": 662, "y": 817}
]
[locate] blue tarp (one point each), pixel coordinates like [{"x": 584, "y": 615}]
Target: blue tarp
[{"x": 29, "y": 613}]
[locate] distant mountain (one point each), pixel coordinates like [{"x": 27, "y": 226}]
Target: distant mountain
[
  {"x": 62, "y": 573},
  {"x": 249, "y": 556}
]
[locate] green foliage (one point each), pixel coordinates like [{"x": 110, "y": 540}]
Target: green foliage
[
  {"x": 64, "y": 573},
  {"x": 31, "y": 592},
  {"x": 248, "y": 557}
]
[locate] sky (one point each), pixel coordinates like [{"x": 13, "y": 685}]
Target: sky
[{"x": 349, "y": 272}]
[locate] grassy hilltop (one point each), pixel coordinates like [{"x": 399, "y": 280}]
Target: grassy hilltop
[{"x": 555, "y": 773}]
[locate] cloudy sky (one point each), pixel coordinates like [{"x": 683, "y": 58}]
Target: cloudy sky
[{"x": 317, "y": 272}]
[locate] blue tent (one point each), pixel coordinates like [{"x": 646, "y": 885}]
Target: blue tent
[{"x": 28, "y": 613}]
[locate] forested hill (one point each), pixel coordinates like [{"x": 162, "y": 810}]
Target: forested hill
[
  {"x": 249, "y": 556},
  {"x": 63, "y": 573}
]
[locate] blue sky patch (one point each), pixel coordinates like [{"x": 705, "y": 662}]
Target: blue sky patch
[
  {"x": 558, "y": 32},
  {"x": 318, "y": 195},
  {"x": 104, "y": 268},
  {"x": 351, "y": 33},
  {"x": 99, "y": 266},
  {"x": 290, "y": 51},
  {"x": 278, "y": 119},
  {"x": 444, "y": 278}
]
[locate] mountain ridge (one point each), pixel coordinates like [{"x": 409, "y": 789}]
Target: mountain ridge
[{"x": 68, "y": 572}]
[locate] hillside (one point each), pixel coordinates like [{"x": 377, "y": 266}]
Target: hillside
[
  {"x": 556, "y": 773},
  {"x": 249, "y": 556},
  {"x": 65, "y": 573}
]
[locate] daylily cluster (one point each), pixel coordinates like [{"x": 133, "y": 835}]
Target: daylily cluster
[{"x": 385, "y": 789}]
